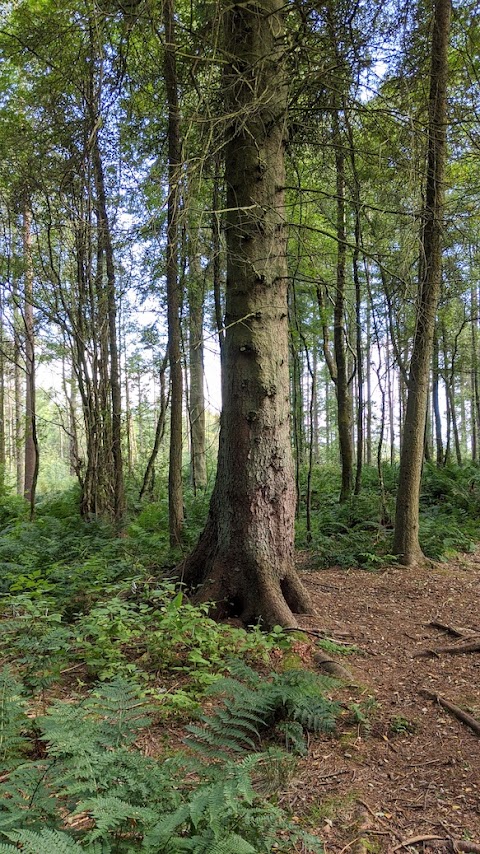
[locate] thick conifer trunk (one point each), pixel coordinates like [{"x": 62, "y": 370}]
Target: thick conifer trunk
[{"x": 244, "y": 558}]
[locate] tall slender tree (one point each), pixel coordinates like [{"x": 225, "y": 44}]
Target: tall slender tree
[
  {"x": 174, "y": 297},
  {"x": 406, "y": 537}
]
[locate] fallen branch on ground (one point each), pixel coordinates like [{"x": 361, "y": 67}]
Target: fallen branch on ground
[
  {"x": 456, "y": 631},
  {"x": 451, "y": 650},
  {"x": 454, "y": 710},
  {"x": 316, "y": 633},
  {"x": 467, "y": 847},
  {"x": 412, "y": 840}
]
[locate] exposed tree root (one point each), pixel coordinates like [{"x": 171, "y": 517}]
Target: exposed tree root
[
  {"x": 454, "y": 710},
  {"x": 329, "y": 665},
  {"x": 247, "y": 591}
]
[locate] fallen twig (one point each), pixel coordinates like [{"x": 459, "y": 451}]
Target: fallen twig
[
  {"x": 317, "y": 633},
  {"x": 451, "y": 650},
  {"x": 377, "y": 818},
  {"x": 454, "y": 710},
  {"x": 456, "y": 631},
  {"x": 412, "y": 840}
]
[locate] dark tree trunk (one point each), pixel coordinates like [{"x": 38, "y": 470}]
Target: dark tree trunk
[
  {"x": 19, "y": 397},
  {"x": 174, "y": 300},
  {"x": 344, "y": 403},
  {"x": 31, "y": 443},
  {"x": 198, "y": 462},
  {"x": 244, "y": 558},
  {"x": 436, "y": 403},
  {"x": 216, "y": 255},
  {"x": 368, "y": 449},
  {"x": 159, "y": 433},
  {"x": 105, "y": 244},
  {"x": 3, "y": 457},
  {"x": 406, "y": 542}
]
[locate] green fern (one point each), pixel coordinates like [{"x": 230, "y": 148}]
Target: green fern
[
  {"x": 132, "y": 802},
  {"x": 253, "y": 704},
  {"x": 120, "y": 711},
  {"x": 13, "y": 720},
  {"x": 112, "y": 815},
  {"x": 44, "y": 842}
]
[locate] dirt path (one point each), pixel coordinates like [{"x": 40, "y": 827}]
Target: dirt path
[{"x": 415, "y": 770}]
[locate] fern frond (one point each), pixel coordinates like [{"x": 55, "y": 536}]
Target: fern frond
[
  {"x": 233, "y": 844},
  {"x": 258, "y": 704},
  {"x": 120, "y": 712},
  {"x": 163, "y": 832},
  {"x": 112, "y": 814},
  {"x": 46, "y": 842},
  {"x": 12, "y": 720}
]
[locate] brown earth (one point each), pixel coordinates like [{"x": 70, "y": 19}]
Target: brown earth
[{"x": 408, "y": 778}]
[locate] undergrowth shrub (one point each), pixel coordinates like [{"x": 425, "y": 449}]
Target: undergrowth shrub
[{"x": 146, "y": 631}]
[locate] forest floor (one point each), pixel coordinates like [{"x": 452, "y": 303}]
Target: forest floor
[{"x": 408, "y": 777}]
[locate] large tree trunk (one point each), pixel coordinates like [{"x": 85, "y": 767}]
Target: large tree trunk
[
  {"x": 406, "y": 541},
  {"x": 244, "y": 558},
  {"x": 436, "y": 403},
  {"x": 175, "y": 488},
  {"x": 344, "y": 402}
]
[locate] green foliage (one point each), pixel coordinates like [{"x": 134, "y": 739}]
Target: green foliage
[
  {"x": 354, "y": 533},
  {"x": 254, "y": 705},
  {"x": 337, "y": 648},
  {"x": 13, "y": 743},
  {"x": 449, "y": 510},
  {"x": 361, "y": 713},
  {"x": 90, "y": 790},
  {"x": 359, "y": 531},
  {"x": 32, "y": 637},
  {"x": 102, "y": 633},
  {"x": 399, "y": 725}
]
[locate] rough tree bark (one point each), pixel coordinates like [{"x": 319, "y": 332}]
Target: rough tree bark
[
  {"x": 105, "y": 245},
  {"x": 148, "y": 478},
  {"x": 406, "y": 540},
  {"x": 175, "y": 489},
  {"x": 244, "y": 558}
]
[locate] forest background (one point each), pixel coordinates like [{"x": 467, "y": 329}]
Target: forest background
[{"x": 122, "y": 127}]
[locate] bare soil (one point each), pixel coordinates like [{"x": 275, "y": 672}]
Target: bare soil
[{"x": 408, "y": 778}]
